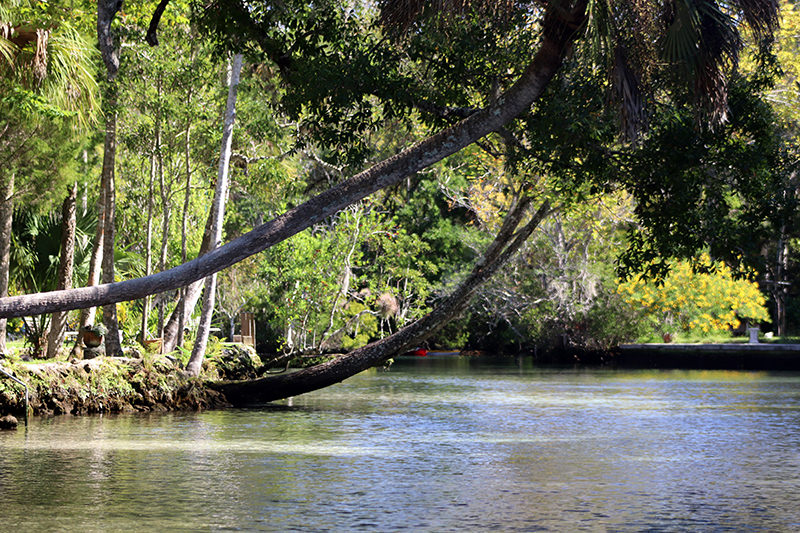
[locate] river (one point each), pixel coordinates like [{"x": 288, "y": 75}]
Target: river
[{"x": 431, "y": 445}]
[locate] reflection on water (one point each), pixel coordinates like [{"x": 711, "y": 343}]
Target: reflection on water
[{"x": 433, "y": 445}]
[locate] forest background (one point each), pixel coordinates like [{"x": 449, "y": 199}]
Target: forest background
[{"x": 717, "y": 204}]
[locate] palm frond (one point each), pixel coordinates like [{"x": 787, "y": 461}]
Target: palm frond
[
  {"x": 704, "y": 37},
  {"x": 70, "y": 80},
  {"x": 6, "y": 46},
  {"x": 761, "y": 16}
]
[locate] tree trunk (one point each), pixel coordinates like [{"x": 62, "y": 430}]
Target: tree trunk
[
  {"x": 272, "y": 388},
  {"x": 165, "y": 191},
  {"x": 112, "y": 341},
  {"x": 6, "y": 218},
  {"x": 191, "y": 293},
  {"x": 181, "y": 307},
  {"x": 558, "y": 36},
  {"x": 109, "y": 49},
  {"x": 148, "y": 249},
  {"x": 58, "y": 323},
  {"x": 220, "y": 194},
  {"x": 88, "y": 313}
]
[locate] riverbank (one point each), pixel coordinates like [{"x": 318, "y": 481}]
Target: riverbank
[{"x": 121, "y": 384}]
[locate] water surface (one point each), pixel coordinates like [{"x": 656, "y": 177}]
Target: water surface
[{"x": 432, "y": 445}]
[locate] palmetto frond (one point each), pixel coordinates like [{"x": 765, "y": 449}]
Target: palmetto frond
[
  {"x": 70, "y": 81},
  {"x": 6, "y": 46},
  {"x": 699, "y": 40}
]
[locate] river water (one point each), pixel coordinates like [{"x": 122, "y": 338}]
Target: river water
[{"x": 431, "y": 445}]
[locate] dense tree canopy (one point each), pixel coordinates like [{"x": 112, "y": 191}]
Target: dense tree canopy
[{"x": 447, "y": 117}]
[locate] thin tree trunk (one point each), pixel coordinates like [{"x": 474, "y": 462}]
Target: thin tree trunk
[
  {"x": 6, "y": 218},
  {"x": 191, "y": 293},
  {"x": 58, "y": 323},
  {"x": 88, "y": 313},
  {"x": 558, "y": 36},
  {"x": 148, "y": 249},
  {"x": 166, "y": 215},
  {"x": 272, "y": 388},
  {"x": 112, "y": 341},
  {"x": 109, "y": 50},
  {"x": 220, "y": 194},
  {"x": 181, "y": 308}
]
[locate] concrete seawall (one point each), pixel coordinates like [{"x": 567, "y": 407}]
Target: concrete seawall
[{"x": 720, "y": 356}]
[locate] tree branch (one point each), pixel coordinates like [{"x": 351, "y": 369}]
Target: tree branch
[{"x": 151, "y": 37}]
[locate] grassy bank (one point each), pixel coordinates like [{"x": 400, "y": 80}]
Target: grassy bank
[{"x": 149, "y": 382}]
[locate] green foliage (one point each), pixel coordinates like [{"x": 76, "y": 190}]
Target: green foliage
[{"x": 344, "y": 283}]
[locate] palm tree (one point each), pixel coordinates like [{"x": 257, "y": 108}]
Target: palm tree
[{"x": 48, "y": 87}]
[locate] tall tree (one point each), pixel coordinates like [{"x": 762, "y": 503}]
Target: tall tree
[
  {"x": 705, "y": 47},
  {"x": 6, "y": 218},
  {"x": 110, "y": 50},
  {"x": 218, "y": 209}
]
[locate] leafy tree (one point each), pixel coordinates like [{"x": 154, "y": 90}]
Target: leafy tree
[{"x": 712, "y": 302}]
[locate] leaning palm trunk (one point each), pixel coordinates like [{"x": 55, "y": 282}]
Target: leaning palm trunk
[
  {"x": 504, "y": 246},
  {"x": 58, "y": 323},
  {"x": 221, "y": 191},
  {"x": 556, "y": 42}
]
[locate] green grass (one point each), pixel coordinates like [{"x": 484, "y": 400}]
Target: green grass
[
  {"x": 721, "y": 338},
  {"x": 15, "y": 347}
]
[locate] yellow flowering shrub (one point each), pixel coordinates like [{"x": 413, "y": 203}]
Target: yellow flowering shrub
[{"x": 697, "y": 302}]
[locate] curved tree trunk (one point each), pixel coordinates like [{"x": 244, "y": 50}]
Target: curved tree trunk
[
  {"x": 181, "y": 307},
  {"x": 220, "y": 193},
  {"x": 191, "y": 293},
  {"x": 558, "y": 36},
  {"x": 6, "y": 218},
  {"x": 58, "y": 323},
  {"x": 271, "y": 388}
]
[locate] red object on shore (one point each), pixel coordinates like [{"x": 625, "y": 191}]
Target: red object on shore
[{"x": 420, "y": 352}]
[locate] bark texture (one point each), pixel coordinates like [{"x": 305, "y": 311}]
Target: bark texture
[
  {"x": 58, "y": 323},
  {"x": 110, "y": 50},
  {"x": 558, "y": 35},
  {"x": 112, "y": 341}
]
